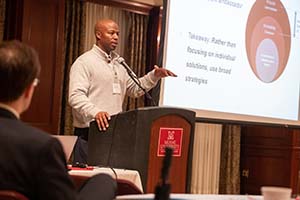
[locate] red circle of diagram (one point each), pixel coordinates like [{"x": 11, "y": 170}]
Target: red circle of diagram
[{"x": 268, "y": 39}]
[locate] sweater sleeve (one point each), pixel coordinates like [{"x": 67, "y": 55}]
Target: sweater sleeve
[
  {"x": 148, "y": 81},
  {"x": 79, "y": 85}
]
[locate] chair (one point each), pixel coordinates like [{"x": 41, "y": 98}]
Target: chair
[
  {"x": 79, "y": 180},
  {"x": 126, "y": 187},
  {"x": 11, "y": 195}
]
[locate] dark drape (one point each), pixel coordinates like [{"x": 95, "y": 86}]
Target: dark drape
[
  {"x": 74, "y": 44},
  {"x": 2, "y": 18},
  {"x": 136, "y": 54},
  {"x": 230, "y": 160},
  {"x": 155, "y": 92}
]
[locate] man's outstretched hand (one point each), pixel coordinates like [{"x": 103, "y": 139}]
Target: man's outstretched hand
[{"x": 162, "y": 72}]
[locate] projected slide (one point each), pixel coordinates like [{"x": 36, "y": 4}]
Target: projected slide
[{"x": 234, "y": 56}]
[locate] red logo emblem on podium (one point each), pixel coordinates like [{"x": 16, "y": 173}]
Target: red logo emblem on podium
[{"x": 170, "y": 137}]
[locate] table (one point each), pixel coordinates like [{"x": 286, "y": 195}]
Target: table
[
  {"x": 130, "y": 175},
  {"x": 193, "y": 197}
]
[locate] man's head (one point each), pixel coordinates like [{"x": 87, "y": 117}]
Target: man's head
[
  {"x": 107, "y": 35},
  {"x": 19, "y": 69}
]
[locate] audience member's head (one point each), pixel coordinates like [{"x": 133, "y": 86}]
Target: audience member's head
[{"x": 19, "y": 69}]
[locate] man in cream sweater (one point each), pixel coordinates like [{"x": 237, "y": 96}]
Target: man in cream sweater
[{"x": 99, "y": 83}]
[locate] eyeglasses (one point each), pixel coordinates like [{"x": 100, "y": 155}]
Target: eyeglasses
[{"x": 36, "y": 82}]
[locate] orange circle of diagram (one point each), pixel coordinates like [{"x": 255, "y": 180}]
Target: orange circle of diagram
[{"x": 268, "y": 39}]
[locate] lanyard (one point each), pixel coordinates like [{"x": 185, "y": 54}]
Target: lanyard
[{"x": 116, "y": 84}]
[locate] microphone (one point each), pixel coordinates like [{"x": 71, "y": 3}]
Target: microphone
[
  {"x": 134, "y": 77},
  {"x": 166, "y": 164},
  {"x": 121, "y": 60},
  {"x": 162, "y": 191}
]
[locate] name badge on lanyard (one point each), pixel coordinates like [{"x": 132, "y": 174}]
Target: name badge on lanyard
[
  {"x": 116, "y": 84},
  {"x": 116, "y": 88}
]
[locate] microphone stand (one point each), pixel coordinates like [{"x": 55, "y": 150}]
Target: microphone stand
[
  {"x": 136, "y": 80},
  {"x": 162, "y": 191}
]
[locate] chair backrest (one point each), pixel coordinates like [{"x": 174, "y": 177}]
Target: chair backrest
[
  {"x": 126, "y": 187},
  {"x": 11, "y": 195},
  {"x": 78, "y": 180},
  {"x": 68, "y": 143}
]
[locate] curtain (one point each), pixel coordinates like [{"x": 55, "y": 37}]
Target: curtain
[
  {"x": 2, "y": 18},
  {"x": 155, "y": 92},
  {"x": 136, "y": 54},
  {"x": 206, "y": 158},
  {"x": 230, "y": 160},
  {"x": 74, "y": 46}
]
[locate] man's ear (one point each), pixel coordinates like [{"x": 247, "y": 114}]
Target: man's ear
[
  {"x": 26, "y": 97},
  {"x": 98, "y": 35},
  {"x": 29, "y": 91}
]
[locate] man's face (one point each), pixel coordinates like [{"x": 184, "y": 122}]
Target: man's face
[{"x": 109, "y": 36}]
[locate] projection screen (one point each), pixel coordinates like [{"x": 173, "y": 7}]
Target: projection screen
[{"x": 236, "y": 60}]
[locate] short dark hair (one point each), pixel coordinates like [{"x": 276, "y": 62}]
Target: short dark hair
[{"x": 19, "y": 66}]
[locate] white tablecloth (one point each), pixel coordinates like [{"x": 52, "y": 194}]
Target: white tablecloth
[
  {"x": 194, "y": 197},
  {"x": 130, "y": 175}
]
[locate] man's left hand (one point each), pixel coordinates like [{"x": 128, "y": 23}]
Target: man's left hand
[{"x": 161, "y": 72}]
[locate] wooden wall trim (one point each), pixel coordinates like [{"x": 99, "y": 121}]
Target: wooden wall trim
[
  {"x": 131, "y": 6},
  {"x": 13, "y": 20},
  {"x": 152, "y": 35},
  {"x": 262, "y": 147},
  {"x": 43, "y": 24},
  {"x": 58, "y": 82}
]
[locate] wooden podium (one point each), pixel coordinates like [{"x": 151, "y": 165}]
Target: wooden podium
[{"x": 136, "y": 140}]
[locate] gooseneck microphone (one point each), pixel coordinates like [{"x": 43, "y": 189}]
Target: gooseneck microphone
[
  {"x": 134, "y": 77},
  {"x": 121, "y": 60}
]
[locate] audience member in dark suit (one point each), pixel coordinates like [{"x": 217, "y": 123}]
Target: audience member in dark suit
[{"x": 31, "y": 161}]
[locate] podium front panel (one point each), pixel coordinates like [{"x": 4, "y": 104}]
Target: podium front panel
[{"x": 131, "y": 142}]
